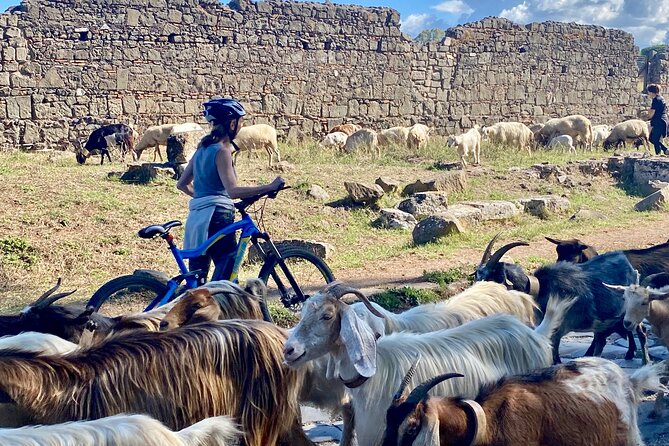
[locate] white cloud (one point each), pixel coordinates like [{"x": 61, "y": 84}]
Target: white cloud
[
  {"x": 646, "y": 19},
  {"x": 456, "y": 7},
  {"x": 415, "y": 23}
]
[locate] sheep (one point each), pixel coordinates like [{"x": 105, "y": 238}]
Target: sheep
[
  {"x": 573, "y": 250},
  {"x": 628, "y": 131},
  {"x": 398, "y": 136},
  {"x": 588, "y": 402},
  {"x": 562, "y": 142},
  {"x": 336, "y": 140},
  {"x": 599, "y": 134},
  {"x": 480, "y": 300},
  {"x": 418, "y": 136},
  {"x": 647, "y": 301},
  {"x": 362, "y": 139},
  {"x": 509, "y": 133},
  {"x": 224, "y": 368},
  {"x": 576, "y": 126},
  {"x": 44, "y": 343},
  {"x": 349, "y": 129},
  {"x": 535, "y": 127},
  {"x": 98, "y": 142},
  {"x": 468, "y": 143},
  {"x": 124, "y": 430},
  {"x": 598, "y": 309},
  {"x": 154, "y": 136},
  {"x": 259, "y": 136},
  {"x": 485, "y": 349}
]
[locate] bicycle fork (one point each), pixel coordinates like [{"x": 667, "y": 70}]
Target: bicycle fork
[{"x": 273, "y": 251}]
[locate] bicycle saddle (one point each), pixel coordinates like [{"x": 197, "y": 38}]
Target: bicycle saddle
[{"x": 154, "y": 230}]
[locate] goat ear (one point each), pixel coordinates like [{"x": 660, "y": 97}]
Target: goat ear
[
  {"x": 553, "y": 241},
  {"x": 618, "y": 288},
  {"x": 359, "y": 340}
]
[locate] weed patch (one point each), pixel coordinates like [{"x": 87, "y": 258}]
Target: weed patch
[
  {"x": 17, "y": 252},
  {"x": 400, "y": 299},
  {"x": 446, "y": 277}
]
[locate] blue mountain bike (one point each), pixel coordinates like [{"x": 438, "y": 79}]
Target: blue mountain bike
[{"x": 291, "y": 274}]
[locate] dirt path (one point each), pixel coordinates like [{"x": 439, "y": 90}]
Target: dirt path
[{"x": 409, "y": 268}]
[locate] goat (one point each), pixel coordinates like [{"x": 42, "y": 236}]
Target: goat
[
  {"x": 598, "y": 309},
  {"x": 44, "y": 343},
  {"x": 486, "y": 349},
  {"x": 588, "y": 402},
  {"x": 224, "y": 368},
  {"x": 480, "y": 300},
  {"x": 67, "y": 321},
  {"x": 573, "y": 250},
  {"x": 124, "y": 430},
  {"x": 98, "y": 143},
  {"x": 647, "y": 301}
]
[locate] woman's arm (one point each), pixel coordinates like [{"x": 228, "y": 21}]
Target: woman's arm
[
  {"x": 650, "y": 113},
  {"x": 229, "y": 180},
  {"x": 185, "y": 183}
]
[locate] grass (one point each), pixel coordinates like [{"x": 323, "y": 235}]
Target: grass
[
  {"x": 400, "y": 299},
  {"x": 79, "y": 223},
  {"x": 446, "y": 277}
]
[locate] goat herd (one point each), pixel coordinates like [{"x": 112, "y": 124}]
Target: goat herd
[{"x": 475, "y": 369}]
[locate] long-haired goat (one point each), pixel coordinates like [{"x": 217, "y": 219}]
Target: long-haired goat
[
  {"x": 598, "y": 309},
  {"x": 66, "y": 321},
  {"x": 647, "y": 300},
  {"x": 178, "y": 377},
  {"x": 588, "y": 402},
  {"x": 480, "y": 300},
  {"x": 124, "y": 430},
  {"x": 486, "y": 349},
  {"x": 43, "y": 343}
]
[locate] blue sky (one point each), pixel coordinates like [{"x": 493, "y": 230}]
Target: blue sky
[{"x": 647, "y": 20}]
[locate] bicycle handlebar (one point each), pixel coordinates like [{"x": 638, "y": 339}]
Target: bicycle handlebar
[{"x": 241, "y": 205}]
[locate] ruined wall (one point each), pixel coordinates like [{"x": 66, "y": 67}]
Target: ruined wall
[{"x": 299, "y": 66}]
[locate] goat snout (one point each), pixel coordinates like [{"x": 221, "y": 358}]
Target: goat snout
[
  {"x": 292, "y": 353},
  {"x": 629, "y": 325},
  {"x": 164, "y": 325}
]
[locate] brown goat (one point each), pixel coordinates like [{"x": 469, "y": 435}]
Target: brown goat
[
  {"x": 588, "y": 402},
  {"x": 179, "y": 377}
]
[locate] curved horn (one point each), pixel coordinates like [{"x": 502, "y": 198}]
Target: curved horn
[
  {"x": 56, "y": 297},
  {"x": 420, "y": 392},
  {"x": 400, "y": 396},
  {"x": 553, "y": 240},
  {"x": 495, "y": 258},
  {"x": 339, "y": 290},
  {"x": 40, "y": 300},
  {"x": 488, "y": 249},
  {"x": 479, "y": 423}
]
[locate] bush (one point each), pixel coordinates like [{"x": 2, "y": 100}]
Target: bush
[
  {"x": 16, "y": 251},
  {"x": 400, "y": 299}
]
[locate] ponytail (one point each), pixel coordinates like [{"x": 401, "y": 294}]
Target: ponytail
[{"x": 219, "y": 131}]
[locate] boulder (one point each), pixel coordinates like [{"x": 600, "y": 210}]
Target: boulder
[
  {"x": 424, "y": 204},
  {"x": 495, "y": 209},
  {"x": 544, "y": 207},
  {"x": 546, "y": 171},
  {"x": 317, "y": 192},
  {"x": 654, "y": 201},
  {"x": 362, "y": 193},
  {"x": 395, "y": 219},
  {"x": 587, "y": 214},
  {"x": 388, "y": 185},
  {"x": 465, "y": 214},
  {"x": 451, "y": 182},
  {"x": 319, "y": 249},
  {"x": 435, "y": 227}
]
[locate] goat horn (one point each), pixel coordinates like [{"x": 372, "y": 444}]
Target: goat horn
[
  {"x": 56, "y": 297},
  {"x": 638, "y": 276},
  {"x": 488, "y": 249},
  {"x": 419, "y": 393},
  {"x": 497, "y": 256},
  {"x": 339, "y": 290},
  {"x": 476, "y": 414},
  {"x": 48, "y": 293},
  {"x": 399, "y": 396},
  {"x": 553, "y": 240}
]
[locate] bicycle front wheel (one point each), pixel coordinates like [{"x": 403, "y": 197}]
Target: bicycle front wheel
[
  {"x": 127, "y": 294},
  {"x": 302, "y": 268}
]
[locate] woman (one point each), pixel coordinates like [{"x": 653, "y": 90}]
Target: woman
[
  {"x": 211, "y": 180},
  {"x": 657, "y": 114}
]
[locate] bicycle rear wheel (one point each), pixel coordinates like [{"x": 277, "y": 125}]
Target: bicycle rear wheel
[
  {"x": 310, "y": 274},
  {"x": 127, "y": 294}
]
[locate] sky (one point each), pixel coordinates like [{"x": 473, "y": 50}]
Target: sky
[{"x": 647, "y": 20}]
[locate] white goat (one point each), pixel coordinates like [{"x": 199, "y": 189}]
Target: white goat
[
  {"x": 361, "y": 140},
  {"x": 394, "y": 136},
  {"x": 562, "y": 142},
  {"x": 43, "y": 343},
  {"x": 469, "y": 143},
  {"x": 123, "y": 430},
  {"x": 599, "y": 134},
  {"x": 480, "y": 300},
  {"x": 577, "y": 126},
  {"x": 336, "y": 140},
  {"x": 485, "y": 350},
  {"x": 418, "y": 136}
]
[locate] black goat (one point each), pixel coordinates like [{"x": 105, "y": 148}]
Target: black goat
[
  {"x": 574, "y": 251},
  {"x": 97, "y": 142},
  {"x": 67, "y": 321},
  {"x": 597, "y": 308}
]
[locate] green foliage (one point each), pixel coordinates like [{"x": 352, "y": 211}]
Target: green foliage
[
  {"x": 430, "y": 35},
  {"x": 446, "y": 277},
  {"x": 16, "y": 251},
  {"x": 400, "y": 299},
  {"x": 282, "y": 316},
  {"x": 646, "y": 51}
]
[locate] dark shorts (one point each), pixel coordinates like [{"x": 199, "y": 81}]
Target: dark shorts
[{"x": 222, "y": 252}]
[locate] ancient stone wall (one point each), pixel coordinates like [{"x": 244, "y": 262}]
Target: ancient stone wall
[{"x": 70, "y": 64}]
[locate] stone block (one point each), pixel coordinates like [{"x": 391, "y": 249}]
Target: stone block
[
  {"x": 388, "y": 185},
  {"x": 132, "y": 17},
  {"x": 362, "y": 193},
  {"x": 317, "y": 192},
  {"x": 435, "y": 227},
  {"x": 467, "y": 215},
  {"x": 654, "y": 201},
  {"x": 19, "y": 107},
  {"x": 424, "y": 204},
  {"x": 544, "y": 207},
  {"x": 451, "y": 182},
  {"x": 395, "y": 219},
  {"x": 495, "y": 210}
]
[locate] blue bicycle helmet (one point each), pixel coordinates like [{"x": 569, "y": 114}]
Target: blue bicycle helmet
[{"x": 223, "y": 109}]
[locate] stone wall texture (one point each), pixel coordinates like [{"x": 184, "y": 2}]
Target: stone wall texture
[{"x": 68, "y": 65}]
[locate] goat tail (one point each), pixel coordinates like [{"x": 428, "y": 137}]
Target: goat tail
[
  {"x": 214, "y": 431},
  {"x": 648, "y": 378},
  {"x": 556, "y": 310}
]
